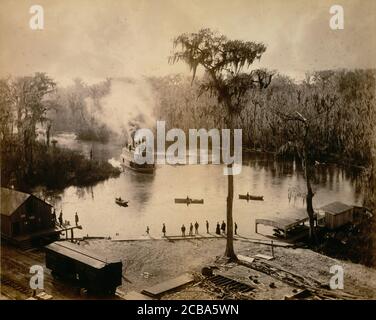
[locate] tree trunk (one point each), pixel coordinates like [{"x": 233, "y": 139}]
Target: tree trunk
[
  {"x": 230, "y": 253},
  {"x": 311, "y": 212},
  {"x": 254, "y": 126},
  {"x": 309, "y": 198},
  {"x": 48, "y": 135}
]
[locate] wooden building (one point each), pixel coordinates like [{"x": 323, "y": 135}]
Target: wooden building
[
  {"x": 93, "y": 271},
  {"x": 337, "y": 214},
  {"x": 25, "y": 219}
]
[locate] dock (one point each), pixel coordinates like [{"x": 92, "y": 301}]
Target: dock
[
  {"x": 170, "y": 237},
  {"x": 293, "y": 222},
  {"x": 206, "y": 236}
]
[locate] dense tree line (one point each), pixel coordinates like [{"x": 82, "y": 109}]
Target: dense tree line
[
  {"x": 24, "y": 103},
  {"x": 28, "y": 157},
  {"x": 343, "y": 132},
  {"x": 341, "y": 102},
  {"x": 77, "y": 107}
]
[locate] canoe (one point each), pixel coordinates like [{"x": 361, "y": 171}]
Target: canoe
[
  {"x": 251, "y": 197},
  {"x": 197, "y": 201},
  {"x": 121, "y": 202},
  {"x": 189, "y": 201}
]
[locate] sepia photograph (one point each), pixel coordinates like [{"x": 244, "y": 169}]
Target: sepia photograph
[{"x": 205, "y": 150}]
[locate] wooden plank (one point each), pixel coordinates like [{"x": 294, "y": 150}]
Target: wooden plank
[
  {"x": 264, "y": 256},
  {"x": 171, "y": 237},
  {"x": 158, "y": 290},
  {"x": 245, "y": 258},
  {"x": 44, "y": 296},
  {"x": 301, "y": 294},
  {"x": 134, "y": 295}
]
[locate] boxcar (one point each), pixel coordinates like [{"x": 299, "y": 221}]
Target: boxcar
[{"x": 97, "y": 274}]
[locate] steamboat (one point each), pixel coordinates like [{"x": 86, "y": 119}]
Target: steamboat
[{"x": 128, "y": 156}]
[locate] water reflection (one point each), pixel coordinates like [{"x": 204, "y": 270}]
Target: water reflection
[{"x": 139, "y": 192}]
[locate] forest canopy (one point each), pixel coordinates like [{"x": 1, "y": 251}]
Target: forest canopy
[{"x": 344, "y": 134}]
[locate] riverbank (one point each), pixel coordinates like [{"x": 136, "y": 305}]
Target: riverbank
[{"x": 146, "y": 263}]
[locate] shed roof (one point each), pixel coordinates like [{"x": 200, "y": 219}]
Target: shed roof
[
  {"x": 80, "y": 254},
  {"x": 336, "y": 208},
  {"x": 12, "y": 199},
  {"x": 285, "y": 221}
]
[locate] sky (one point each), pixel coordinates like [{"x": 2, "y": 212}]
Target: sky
[{"x": 95, "y": 39}]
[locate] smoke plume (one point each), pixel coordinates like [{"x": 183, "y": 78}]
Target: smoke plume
[{"x": 128, "y": 107}]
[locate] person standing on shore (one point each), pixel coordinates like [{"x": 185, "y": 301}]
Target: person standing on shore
[
  {"x": 191, "y": 229},
  {"x": 236, "y": 228},
  {"x": 223, "y": 227},
  {"x": 147, "y": 230},
  {"x": 207, "y": 226},
  {"x": 164, "y": 230},
  {"x": 183, "y": 230},
  {"x": 218, "y": 229},
  {"x": 76, "y": 219},
  {"x": 196, "y": 227}
]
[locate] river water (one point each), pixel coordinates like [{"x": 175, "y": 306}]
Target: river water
[{"x": 151, "y": 197}]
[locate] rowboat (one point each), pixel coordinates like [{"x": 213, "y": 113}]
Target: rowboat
[
  {"x": 251, "y": 197},
  {"x": 188, "y": 201},
  {"x": 121, "y": 202}
]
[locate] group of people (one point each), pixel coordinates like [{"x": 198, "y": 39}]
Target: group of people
[
  {"x": 196, "y": 225},
  {"x": 220, "y": 229},
  {"x": 60, "y": 219}
]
